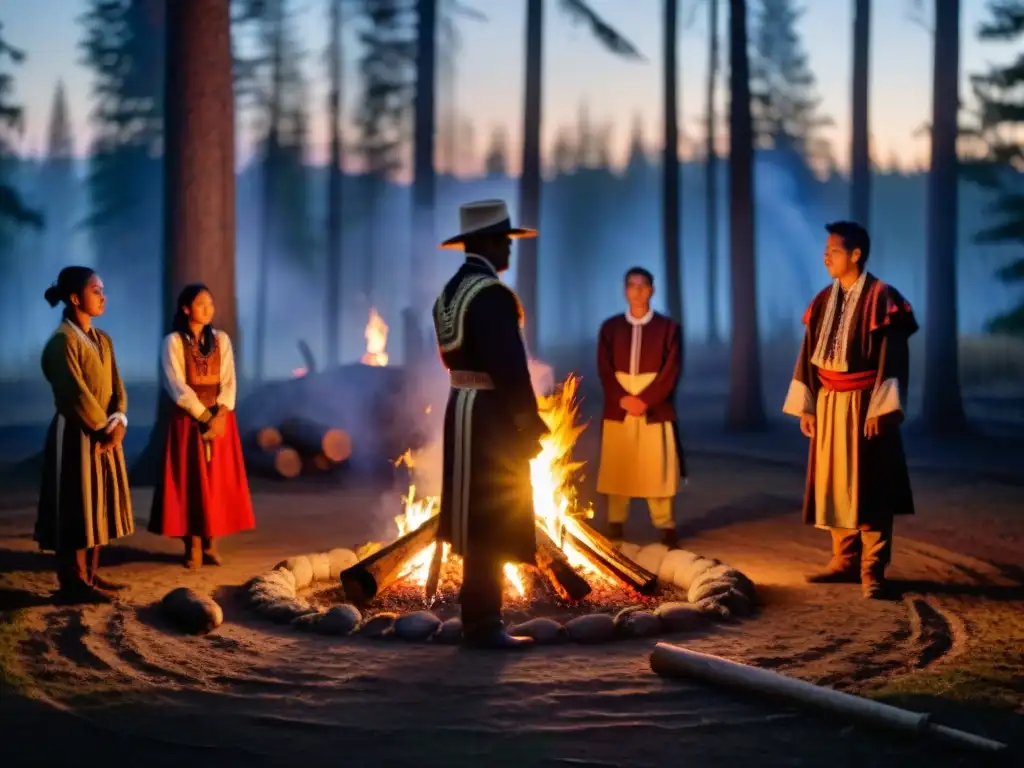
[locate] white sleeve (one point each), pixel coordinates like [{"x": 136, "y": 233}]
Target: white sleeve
[
  {"x": 228, "y": 383},
  {"x": 172, "y": 364}
]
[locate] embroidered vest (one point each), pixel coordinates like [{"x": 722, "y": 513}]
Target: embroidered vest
[{"x": 202, "y": 372}]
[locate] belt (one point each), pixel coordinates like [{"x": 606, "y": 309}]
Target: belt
[
  {"x": 847, "y": 382},
  {"x": 471, "y": 380}
]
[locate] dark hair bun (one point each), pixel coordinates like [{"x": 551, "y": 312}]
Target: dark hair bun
[{"x": 52, "y": 295}]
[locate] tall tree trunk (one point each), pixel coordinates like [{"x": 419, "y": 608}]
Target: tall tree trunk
[
  {"x": 860, "y": 160},
  {"x": 943, "y": 409},
  {"x": 670, "y": 165},
  {"x": 270, "y": 173},
  {"x": 746, "y": 402},
  {"x": 530, "y": 179},
  {"x": 332, "y": 301},
  {"x": 199, "y": 173},
  {"x": 424, "y": 185},
  {"x": 711, "y": 176}
]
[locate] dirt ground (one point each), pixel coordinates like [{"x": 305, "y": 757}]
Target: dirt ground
[{"x": 118, "y": 683}]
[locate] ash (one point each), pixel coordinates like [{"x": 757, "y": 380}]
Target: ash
[{"x": 539, "y": 600}]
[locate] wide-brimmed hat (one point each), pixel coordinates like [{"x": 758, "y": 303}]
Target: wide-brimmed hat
[{"x": 486, "y": 217}]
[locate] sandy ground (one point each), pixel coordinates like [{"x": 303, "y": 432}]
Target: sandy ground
[{"x": 119, "y": 683}]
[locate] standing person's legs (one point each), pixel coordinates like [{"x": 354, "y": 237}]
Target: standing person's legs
[
  {"x": 193, "y": 552},
  {"x": 876, "y": 553},
  {"x": 844, "y": 567},
  {"x": 73, "y": 578},
  {"x": 93, "y": 558},
  {"x": 211, "y": 555},
  {"x": 482, "y": 585},
  {"x": 663, "y": 518},
  {"x": 618, "y": 513}
]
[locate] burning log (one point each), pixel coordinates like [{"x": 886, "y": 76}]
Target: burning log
[
  {"x": 604, "y": 554},
  {"x": 375, "y": 573},
  {"x": 312, "y": 439},
  {"x": 267, "y": 438},
  {"x": 567, "y": 583},
  {"x": 280, "y": 462}
]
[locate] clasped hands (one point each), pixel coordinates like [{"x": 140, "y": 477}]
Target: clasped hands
[
  {"x": 110, "y": 436},
  {"x": 215, "y": 426},
  {"x": 808, "y": 424},
  {"x": 633, "y": 405}
]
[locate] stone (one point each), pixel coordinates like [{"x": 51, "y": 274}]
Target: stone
[
  {"x": 416, "y": 626},
  {"x": 339, "y": 620},
  {"x": 714, "y": 609},
  {"x": 339, "y": 560},
  {"x": 650, "y": 557},
  {"x": 191, "y": 612},
  {"x": 379, "y": 627},
  {"x": 629, "y": 549},
  {"x": 701, "y": 590},
  {"x": 302, "y": 569},
  {"x": 281, "y": 576},
  {"x": 284, "y": 611},
  {"x": 321, "y": 565},
  {"x": 544, "y": 631},
  {"x": 680, "y": 617},
  {"x": 674, "y": 566},
  {"x": 592, "y": 629},
  {"x": 307, "y": 622},
  {"x": 690, "y": 573},
  {"x": 636, "y": 622},
  {"x": 449, "y": 633}
]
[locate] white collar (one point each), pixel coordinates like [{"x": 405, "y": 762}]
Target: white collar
[
  {"x": 85, "y": 336},
  {"x": 483, "y": 262},
  {"x": 639, "y": 320}
]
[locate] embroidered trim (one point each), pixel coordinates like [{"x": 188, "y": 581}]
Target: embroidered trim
[
  {"x": 450, "y": 317},
  {"x": 822, "y": 354}
]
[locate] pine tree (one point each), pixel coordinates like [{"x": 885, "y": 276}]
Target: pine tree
[
  {"x": 496, "y": 158},
  {"x": 782, "y": 85},
  {"x": 13, "y": 209},
  {"x": 1000, "y": 93},
  {"x": 59, "y": 187}
]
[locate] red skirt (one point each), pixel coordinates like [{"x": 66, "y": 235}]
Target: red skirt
[{"x": 196, "y": 497}]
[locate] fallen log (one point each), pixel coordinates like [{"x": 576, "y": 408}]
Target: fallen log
[
  {"x": 282, "y": 462},
  {"x": 373, "y": 574},
  {"x": 311, "y": 439},
  {"x": 674, "y": 661},
  {"x": 267, "y": 438},
  {"x": 604, "y": 554},
  {"x": 551, "y": 562}
]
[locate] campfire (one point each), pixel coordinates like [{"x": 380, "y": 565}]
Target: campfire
[
  {"x": 376, "y": 341},
  {"x": 572, "y": 558}
]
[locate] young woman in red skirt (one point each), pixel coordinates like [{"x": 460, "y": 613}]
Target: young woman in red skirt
[{"x": 202, "y": 492}]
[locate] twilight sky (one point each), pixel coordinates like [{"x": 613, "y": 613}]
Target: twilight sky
[{"x": 577, "y": 69}]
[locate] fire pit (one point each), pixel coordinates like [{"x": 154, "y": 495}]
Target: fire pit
[{"x": 584, "y": 587}]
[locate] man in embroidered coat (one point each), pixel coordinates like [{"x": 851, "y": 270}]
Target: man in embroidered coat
[
  {"x": 492, "y": 428},
  {"x": 849, "y": 391},
  {"x": 639, "y": 361}
]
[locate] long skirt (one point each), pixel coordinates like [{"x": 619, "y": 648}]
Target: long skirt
[
  {"x": 201, "y": 492},
  {"x": 84, "y": 498},
  {"x": 486, "y": 495}
]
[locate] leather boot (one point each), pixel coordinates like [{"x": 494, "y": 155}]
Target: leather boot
[
  {"x": 193, "y": 552},
  {"x": 844, "y": 567},
  {"x": 98, "y": 581},
  {"x": 210, "y": 554}
]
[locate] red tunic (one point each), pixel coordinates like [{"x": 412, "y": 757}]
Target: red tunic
[
  {"x": 658, "y": 350},
  {"x": 202, "y": 488}
]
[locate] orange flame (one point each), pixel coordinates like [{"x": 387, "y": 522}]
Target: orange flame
[
  {"x": 555, "y": 502},
  {"x": 376, "y": 340}
]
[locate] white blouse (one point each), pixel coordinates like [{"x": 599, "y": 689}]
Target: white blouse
[{"x": 172, "y": 361}]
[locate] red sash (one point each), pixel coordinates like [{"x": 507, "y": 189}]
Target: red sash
[{"x": 847, "y": 382}]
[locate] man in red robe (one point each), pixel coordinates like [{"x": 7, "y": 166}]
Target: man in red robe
[
  {"x": 849, "y": 391},
  {"x": 640, "y": 360}
]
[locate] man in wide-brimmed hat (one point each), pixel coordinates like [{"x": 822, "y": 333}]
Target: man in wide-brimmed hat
[{"x": 491, "y": 427}]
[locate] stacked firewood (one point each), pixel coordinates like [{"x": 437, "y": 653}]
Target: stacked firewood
[{"x": 298, "y": 446}]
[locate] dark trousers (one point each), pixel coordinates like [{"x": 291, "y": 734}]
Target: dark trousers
[
  {"x": 483, "y": 584},
  {"x": 868, "y": 547},
  {"x": 77, "y": 567}
]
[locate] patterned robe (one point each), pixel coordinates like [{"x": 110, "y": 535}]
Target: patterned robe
[
  {"x": 641, "y": 456},
  {"x": 491, "y": 424},
  {"x": 84, "y": 499},
  {"x": 853, "y": 365}
]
